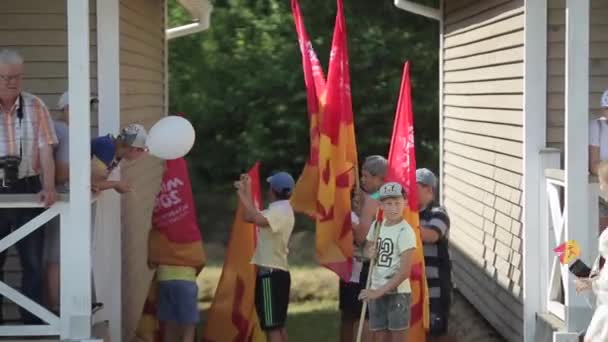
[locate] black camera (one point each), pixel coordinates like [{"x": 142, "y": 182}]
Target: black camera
[{"x": 9, "y": 170}]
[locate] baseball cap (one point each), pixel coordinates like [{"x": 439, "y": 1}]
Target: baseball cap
[
  {"x": 390, "y": 190},
  {"x": 604, "y": 102},
  {"x": 64, "y": 100},
  {"x": 134, "y": 135},
  {"x": 426, "y": 177},
  {"x": 281, "y": 182}
]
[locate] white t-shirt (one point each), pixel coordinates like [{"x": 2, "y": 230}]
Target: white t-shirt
[
  {"x": 392, "y": 242},
  {"x": 271, "y": 250},
  {"x": 598, "y": 136}
]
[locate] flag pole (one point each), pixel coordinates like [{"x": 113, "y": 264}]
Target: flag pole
[{"x": 372, "y": 263}]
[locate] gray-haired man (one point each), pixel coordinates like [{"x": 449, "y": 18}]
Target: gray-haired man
[{"x": 27, "y": 137}]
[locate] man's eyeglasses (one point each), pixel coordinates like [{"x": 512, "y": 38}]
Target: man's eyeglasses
[{"x": 8, "y": 78}]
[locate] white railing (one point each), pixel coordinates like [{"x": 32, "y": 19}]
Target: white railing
[
  {"x": 54, "y": 323},
  {"x": 560, "y": 297}
]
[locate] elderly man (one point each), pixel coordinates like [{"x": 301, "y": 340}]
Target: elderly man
[
  {"x": 434, "y": 227},
  {"x": 27, "y": 137}
]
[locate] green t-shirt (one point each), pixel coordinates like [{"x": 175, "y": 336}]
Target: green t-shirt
[{"x": 375, "y": 195}]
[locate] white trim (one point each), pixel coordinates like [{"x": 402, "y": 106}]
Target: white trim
[
  {"x": 441, "y": 108},
  {"x": 166, "y": 56},
  {"x": 203, "y": 15},
  {"x": 27, "y": 330},
  {"x": 425, "y": 11},
  {"x": 30, "y": 305},
  {"x": 576, "y": 206},
  {"x": 75, "y": 236},
  {"x": 107, "y": 237},
  {"x": 535, "y": 118},
  {"x": 185, "y": 30},
  {"x": 26, "y": 229}
]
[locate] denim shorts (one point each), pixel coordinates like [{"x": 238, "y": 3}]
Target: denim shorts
[
  {"x": 390, "y": 312},
  {"x": 178, "y": 301}
]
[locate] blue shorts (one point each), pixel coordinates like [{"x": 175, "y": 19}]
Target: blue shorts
[
  {"x": 178, "y": 301},
  {"x": 390, "y": 312}
]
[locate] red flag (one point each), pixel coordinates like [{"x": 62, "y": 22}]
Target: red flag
[
  {"x": 232, "y": 316},
  {"x": 402, "y": 169},
  {"x": 175, "y": 238},
  {"x": 304, "y": 197},
  {"x": 337, "y": 161}
]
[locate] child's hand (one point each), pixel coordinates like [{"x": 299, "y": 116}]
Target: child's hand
[
  {"x": 367, "y": 295},
  {"x": 245, "y": 179},
  {"x": 370, "y": 250},
  {"x": 122, "y": 187}
]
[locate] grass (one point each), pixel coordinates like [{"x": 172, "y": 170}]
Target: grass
[
  {"x": 308, "y": 283},
  {"x": 313, "y": 321},
  {"x": 313, "y": 310}
]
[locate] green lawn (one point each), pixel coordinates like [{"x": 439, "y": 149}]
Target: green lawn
[
  {"x": 313, "y": 321},
  {"x": 313, "y": 309}
]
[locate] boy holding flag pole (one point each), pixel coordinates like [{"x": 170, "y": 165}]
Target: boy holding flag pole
[
  {"x": 390, "y": 246},
  {"x": 275, "y": 225}
]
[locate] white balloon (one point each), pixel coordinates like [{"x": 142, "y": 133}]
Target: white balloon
[{"x": 170, "y": 138}]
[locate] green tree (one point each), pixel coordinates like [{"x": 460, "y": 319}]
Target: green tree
[{"x": 241, "y": 82}]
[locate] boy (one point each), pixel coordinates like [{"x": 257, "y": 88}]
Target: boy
[
  {"x": 108, "y": 151},
  {"x": 365, "y": 204},
  {"x": 275, "y": 225},
  {"x": 389, "y": 295}
]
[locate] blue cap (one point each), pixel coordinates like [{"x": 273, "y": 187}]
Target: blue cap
[{"x": 281, "y": 181}]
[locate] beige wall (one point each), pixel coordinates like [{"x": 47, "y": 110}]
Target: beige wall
[
  {"x": 482, "y": 156},
  {"x": 598, "y": 67},
  {"x": 142, "y": 74},
  {"x": 38, "y": 30}
]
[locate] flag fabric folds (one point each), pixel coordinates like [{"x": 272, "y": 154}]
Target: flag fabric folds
[
  {"x": 232, "y": 316},
  {"x": 304, "y": 196},
  {"x": 402, "y": 169},
  {"x": 175, "y": 238},
  {"x": 324, "y": 188}
]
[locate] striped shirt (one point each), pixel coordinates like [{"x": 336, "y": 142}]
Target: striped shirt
[
  {"x": 436, "y": 255},
  {"x": 24, "y": 138}
]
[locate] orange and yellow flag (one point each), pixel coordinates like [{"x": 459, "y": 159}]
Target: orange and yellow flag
[
  {"x": 175, "y": 238},
  {"x": 337, "y": 161},
  {"x": 402, "y": 169},
  {"x": 232, "y": 316},
  {"x": 304, "y": 197}
]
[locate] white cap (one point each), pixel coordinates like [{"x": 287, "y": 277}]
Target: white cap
[
  {"x": 391, "y": 190},
  {"x": 604, "y": 103},
  {"x": 134, "y": 135},
  {"x": 63, "y": 101}
]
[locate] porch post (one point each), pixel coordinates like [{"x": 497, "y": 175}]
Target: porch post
[
  {"x": 107, "y": 235},
  {"x": 76, "y": 232},
  {"x": 577, "y": 107},
  {"x": 535, "y": 119}
]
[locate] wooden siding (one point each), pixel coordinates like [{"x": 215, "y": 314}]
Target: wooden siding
[
  {"x": 598, "y": 67},
  {"x": 142, "y": 78},
  {"x": 38, "y": 31},
  {"x": 482, "y": 154}
]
